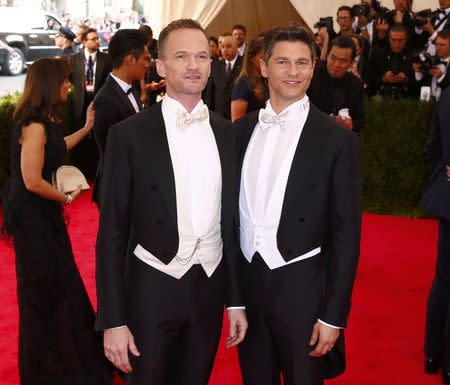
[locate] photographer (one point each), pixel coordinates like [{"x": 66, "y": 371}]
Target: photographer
[
  {"x": 334, "y": 89},
  {"x": 433, "y": 71},
  {"x": 390, "y": 68},
  {"x": 429, "y": 24}
]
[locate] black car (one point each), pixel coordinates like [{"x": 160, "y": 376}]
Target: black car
[{"x": 31, "y": 35}]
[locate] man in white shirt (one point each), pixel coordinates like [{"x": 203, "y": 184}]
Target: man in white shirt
[
  {"x": 427, "y": 34},
  {"x": 299, "y": 215},
  {"x": 167, "y": 250},
  {"x": 117, "y": 99},
  {"x": 437, "y": 77},
  {"x": 223, "y": 76},
  {"x": 239, "y": 32}
]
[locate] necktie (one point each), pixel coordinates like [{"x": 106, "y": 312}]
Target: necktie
[
  {"x": 185, "y": 119},
  {"x": 130, "y": 90},
  {"x": 90, "y": 71},
  {"x": 228, "y": 69}
]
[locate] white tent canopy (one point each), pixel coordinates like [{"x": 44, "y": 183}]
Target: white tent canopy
[{"x": 160, "y": 13}]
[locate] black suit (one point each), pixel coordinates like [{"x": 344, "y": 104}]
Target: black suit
[
  {"x": 138, "y": 206},
  {"x": 112, "y": 105},
  {"x": 427, "y": 79},
  {"x": 330, "y": 94},
  {"x": 84, "y": 155},
  {"x": 436, "y": 200},
  {"x": 321, "y": 207},
  {"x": 220, "y": 86}
]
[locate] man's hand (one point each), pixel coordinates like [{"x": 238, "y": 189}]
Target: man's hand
[
  {"x": 347, "y": 122},
  {"x": 436, "y": 72},
  {"x": 117, "y": 342},
  {"x": 388, "y": 77},
  {"x": 428, "y": 27},
  {"x": 238, "y": 327},
  {"x": 401, "y": 77},
  {"x": 325, "y": 337},
  {"x": 417, "y": 67},
  {"x": 382, "y": 27},
  {"x": 448, "y": 173}
]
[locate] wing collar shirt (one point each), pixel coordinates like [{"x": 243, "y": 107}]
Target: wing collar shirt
[
  {"x": 265, "y": 173},
  {"x": 198, "y": 185}
]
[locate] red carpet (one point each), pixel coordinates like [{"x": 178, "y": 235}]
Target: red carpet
[{"x": 385, "y": 334}]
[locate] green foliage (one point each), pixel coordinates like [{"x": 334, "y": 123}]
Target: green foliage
[
  {"x": 394, "y": 167},
  {"x": 7, "y": 105}
]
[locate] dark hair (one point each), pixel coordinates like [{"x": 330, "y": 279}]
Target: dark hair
[
  {"x": 41, "y": 96},
  {"x": 126, "y": 42},
  {"x": 444, "y": 34},
  {"x": 345, "y": 8},
  {"x": 249, "y": 71},
  {"x": 291, "y": 33},
  {"x": 147, "y": 29},
  {"x": 175, "y": 26},
  {"x": 359, "y": 38},
  {"x": 239, "y": 26},
  {"x": 343, "y": 42},
  {"x": 214, "y": 39},
  {"x": 398, "y": 27},
  {"x": 87, "y": 32}
]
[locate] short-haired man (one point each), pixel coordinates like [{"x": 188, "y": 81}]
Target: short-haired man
[
  {"x": 167, "y": 256},
  {"x": 300, "y": 216},
  {"x": 335, "y": 90},
  {"x": 64, "y": 40},
  {"x": 223, "y": 76},
  {"x": 438, "y": 76},
  {"x": 239, "y": 32},
  {"x": 390, "y": 68},
  {"x": 117, "y": 99},
  {"x": 427, "y": 34},
  {"x": 90, "y": 68},
  {"x": 345, "y": 20}
]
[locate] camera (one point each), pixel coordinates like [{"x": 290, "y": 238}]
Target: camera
[
  {"x": 426, "y": 61},
  {"x": 422, "y": 17},
  {"x": 362, "y": 9},
  {"x": 386, "y": 14},
  {"x": 326, "y": 22}
]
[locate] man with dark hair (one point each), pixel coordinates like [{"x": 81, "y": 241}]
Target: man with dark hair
[
  {"x": 239, "y": 32},
  {"x": 90, "y": 68},
  {"x": 167, "y": 255},
  {"x": 223, "y": 76},
  {"x": 117, "y": 99},
  {"x": 427, "y": 33},
  {"x": 300, "y": 216},
  {"x": 437, "y": 78},
  {"x": 345, "y": 20},
  {"x": 390, "y": 68},
  {"x": 335, "y": 90}
]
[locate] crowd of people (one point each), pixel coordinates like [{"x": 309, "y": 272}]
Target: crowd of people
[{"x": 196, "y": 212}]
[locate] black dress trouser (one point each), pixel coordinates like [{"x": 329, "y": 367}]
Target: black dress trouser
[{"x": 437, "y": 329}]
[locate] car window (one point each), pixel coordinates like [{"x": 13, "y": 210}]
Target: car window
[{"x": 52, "y": 23}]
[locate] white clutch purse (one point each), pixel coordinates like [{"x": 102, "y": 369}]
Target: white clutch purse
[{"x": 67, "y": 179}]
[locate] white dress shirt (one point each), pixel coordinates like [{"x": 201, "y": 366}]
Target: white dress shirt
[
  {"x": 198, "y": 186},
  {"x": 435, "y": 87},
  {"x": 86, "y": 60},
  {"x": 241, "y": 49},
  {"x": 125, "y": 87},
  {"x": 230, "y": 62},
  {"x": 431, "y": 48}
]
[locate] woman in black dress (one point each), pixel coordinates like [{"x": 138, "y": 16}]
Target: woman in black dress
[
  {"x": 250, "y": 92},
  {"x": 57, "y": 342}
]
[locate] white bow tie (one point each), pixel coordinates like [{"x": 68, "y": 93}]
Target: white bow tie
[
  {"x": 184, "y": 119},
  {"x": 267, "y": 120}
]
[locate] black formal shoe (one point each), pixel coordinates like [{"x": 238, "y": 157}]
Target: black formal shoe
[
  {"x": 446, "y": 377},
  {"x": 432, "y": 365}
]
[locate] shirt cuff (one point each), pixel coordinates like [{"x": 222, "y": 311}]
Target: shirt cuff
[
  {"x": 418, "y": 75},
  {"x": 236, "y": 308},
  {"x": 331, "y": 326},
  {"x": 441, "y": 78},
  {"x": 117, "y": 327},
  {"x": 418, "y": 31}
]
